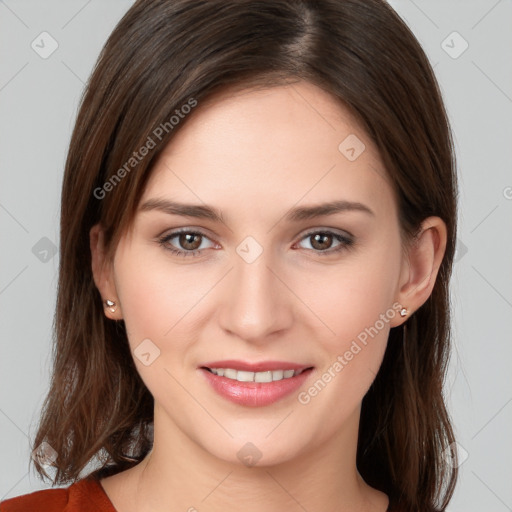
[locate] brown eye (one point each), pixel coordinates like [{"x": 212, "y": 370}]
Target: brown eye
[
  {"x": 190, "y": 241},
  {"x": 184, "y": 243},
  {"x": 328, "y": 242},
  {"x": 321, "y": 241}
]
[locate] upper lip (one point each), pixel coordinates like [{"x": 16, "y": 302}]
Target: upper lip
[{"x": 260, "y": 366}]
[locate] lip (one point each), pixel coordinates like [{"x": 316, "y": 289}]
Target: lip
[{"x": 255, "y": 394}]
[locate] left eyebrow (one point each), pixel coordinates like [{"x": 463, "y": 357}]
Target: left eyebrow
[
  {"x": 310, "y": 212},
  {"x": 296, "y": 214}
]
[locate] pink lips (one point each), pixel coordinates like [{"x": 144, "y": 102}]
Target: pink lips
[{"x": 255, "y": 394}]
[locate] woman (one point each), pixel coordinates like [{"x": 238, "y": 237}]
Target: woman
[{"x": 257, "y": 231}]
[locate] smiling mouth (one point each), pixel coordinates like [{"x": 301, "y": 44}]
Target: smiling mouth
[
  {"x": 246, "y": 376},
  {"x": 255, "y": 384}
]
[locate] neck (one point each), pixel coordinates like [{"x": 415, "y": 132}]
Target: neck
[{"x": 179, "y": 474}]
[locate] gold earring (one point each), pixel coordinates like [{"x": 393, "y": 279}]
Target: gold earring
[{"x": 111, "y": 305}]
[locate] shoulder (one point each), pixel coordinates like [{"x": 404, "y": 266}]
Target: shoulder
[
  {"x": 78, "y": 497},
  {"x": 44, "y": 500}
]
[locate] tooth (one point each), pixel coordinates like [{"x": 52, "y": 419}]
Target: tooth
[
  {"x": 263, "y": 376},
  {"x": 245, "y": 376},
  {"x": 230, "y": 373},
  {"x": 277, "y": 374}
]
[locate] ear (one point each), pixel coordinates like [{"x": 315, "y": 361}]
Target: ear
[
  {"x": 420, "y": 268},
  {"x": 103, "y": 273}
]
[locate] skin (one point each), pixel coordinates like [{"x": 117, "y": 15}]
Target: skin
[{"x": 254, "y": 155}]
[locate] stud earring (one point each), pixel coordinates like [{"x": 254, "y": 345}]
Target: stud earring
[
  {"x": 403, "y": 312},
  {"x": 111, "y": 305}
]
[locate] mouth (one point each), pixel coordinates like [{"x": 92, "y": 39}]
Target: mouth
[{"x": 255, "y": 384}]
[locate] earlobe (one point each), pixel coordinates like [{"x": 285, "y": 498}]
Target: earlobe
[
  {"x": 424, "y": 259},
  {"x": 111, "y": 305},
  {"x": 102, "y": 273}
]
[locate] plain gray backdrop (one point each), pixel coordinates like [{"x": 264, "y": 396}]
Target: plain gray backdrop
[{"x": 48, "y": 50}]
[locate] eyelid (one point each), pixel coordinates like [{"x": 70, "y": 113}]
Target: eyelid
[
  {"x": 168, "y": 235},
  {"x": 186, "y": 229},
  {"x": 335, "y": 231}
]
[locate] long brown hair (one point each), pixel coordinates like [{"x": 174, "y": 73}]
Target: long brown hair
[{"x": 165, "y": 54}]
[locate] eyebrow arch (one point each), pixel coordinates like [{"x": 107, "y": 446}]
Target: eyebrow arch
[
  {"x": 186, "y": 210},
  {"x": 294, "y": 215},
  {"x": 310, "y": 212}
]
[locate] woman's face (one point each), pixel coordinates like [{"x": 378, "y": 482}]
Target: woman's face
[{"x": 278, "y": 283}]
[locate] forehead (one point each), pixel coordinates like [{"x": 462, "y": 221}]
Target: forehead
[{"x": 273, "y": 147}]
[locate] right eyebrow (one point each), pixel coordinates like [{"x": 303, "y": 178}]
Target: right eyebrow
[{"x": 186, "y": 210}]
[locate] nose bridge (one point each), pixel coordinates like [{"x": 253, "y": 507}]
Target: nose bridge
[{"x": 256, "y": 304}]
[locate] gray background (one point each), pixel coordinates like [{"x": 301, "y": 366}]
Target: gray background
[{"x": 38, "y": 101}]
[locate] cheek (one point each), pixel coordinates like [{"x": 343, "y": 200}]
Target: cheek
[
  {"x": 354, "y": 301},
  {"x": 351, "y": 296},
  {"x": 160, "y": 302},
  {"x": 156, "y": 294}
]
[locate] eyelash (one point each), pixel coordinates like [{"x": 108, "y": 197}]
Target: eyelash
[{"x": 346, "y": 242}]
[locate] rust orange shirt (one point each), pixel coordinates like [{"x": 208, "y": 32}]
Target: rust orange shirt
[{"x": 86, "y": 495}]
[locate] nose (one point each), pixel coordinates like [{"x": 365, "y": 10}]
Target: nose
[{"x": 257, "y": 303}]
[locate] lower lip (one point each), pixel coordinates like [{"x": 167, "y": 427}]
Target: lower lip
[{"x": 255, "y": 394}]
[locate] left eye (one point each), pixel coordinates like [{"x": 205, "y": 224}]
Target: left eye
[{"x": 321, "y": 241}]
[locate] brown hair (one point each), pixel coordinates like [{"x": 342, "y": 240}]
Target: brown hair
[{"x": 165, "y": 54}]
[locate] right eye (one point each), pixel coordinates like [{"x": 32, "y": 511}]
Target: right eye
[{"x": 188, "y": 240}]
